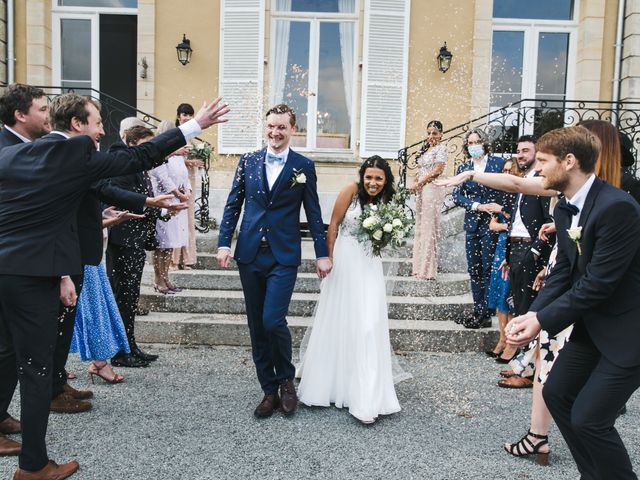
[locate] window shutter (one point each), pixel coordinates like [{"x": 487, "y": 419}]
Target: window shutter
[
  {"x": 241, "y": 74},
  {"x": 384, "y": 86}
]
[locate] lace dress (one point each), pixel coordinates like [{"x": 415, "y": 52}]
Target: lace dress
[{"x": 348, "y": 360}]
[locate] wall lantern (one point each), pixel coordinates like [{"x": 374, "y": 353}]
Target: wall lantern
[
  {"x": 444, "y": 58},
  {"x": 184, "y": 50}
]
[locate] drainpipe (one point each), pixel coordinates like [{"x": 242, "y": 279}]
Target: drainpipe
[
  {"x": 11, "y": 54},
  {"x": 618, "y": 59}
]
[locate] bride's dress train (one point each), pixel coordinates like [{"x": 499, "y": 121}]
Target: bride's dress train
[{"x": 348, "y": 360}]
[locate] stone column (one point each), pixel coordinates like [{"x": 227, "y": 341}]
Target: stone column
[
  {"x": 630, "y": 76},
  {"x": 38, "y": 25},
  {"x": 146, "y": 54}
]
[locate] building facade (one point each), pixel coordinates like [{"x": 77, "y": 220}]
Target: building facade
[{"x": 362, "y": 75}]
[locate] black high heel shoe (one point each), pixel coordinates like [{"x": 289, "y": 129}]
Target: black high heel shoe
[
  {"x": 504, "y": 361},
  {"x": 526, "y": 447}
]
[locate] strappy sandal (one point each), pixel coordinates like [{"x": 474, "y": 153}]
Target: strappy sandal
[
  {"x": 97, "y": 371},
  {"x": 526, "y": 447},
  {"x": 516, "y": 381}
]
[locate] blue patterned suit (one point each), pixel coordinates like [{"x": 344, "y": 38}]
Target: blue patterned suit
[{"x": 480, "y": 241}]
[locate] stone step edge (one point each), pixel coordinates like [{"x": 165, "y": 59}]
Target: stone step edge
[{"x": 226, "y": 329}]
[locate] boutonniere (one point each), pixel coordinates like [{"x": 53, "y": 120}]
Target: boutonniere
[
  {"x": 298, "y": 178},
  {"x": 575, "y": 234}
]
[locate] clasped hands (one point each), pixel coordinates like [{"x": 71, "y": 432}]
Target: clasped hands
[
  {"x": 323, "y": 265},
  {"x": 523, "y": 329}
]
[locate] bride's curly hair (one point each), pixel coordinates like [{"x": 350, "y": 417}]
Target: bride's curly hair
[{"x": 387, "y": 191}]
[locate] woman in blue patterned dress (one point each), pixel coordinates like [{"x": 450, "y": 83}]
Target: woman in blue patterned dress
[{"x": 99, "y": 332}]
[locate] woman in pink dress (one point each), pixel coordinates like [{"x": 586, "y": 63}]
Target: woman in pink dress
[{"x": 429, "y": 198}]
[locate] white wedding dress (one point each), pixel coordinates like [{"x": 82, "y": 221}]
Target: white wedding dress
[{"x": 348, "y": 359}]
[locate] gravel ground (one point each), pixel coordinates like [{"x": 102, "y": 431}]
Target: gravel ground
[{"x": 189, "y": 416}]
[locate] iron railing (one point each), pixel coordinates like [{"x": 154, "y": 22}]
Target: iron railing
[
  {"x": 112, "y": 112},
  {"x": 534, "y": 117}
]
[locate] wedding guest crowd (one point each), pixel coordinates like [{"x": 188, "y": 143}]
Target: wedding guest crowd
[{"x": 50, "y": 228}]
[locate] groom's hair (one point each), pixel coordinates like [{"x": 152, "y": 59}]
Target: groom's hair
[
  {"x": 577, "y": 140},
  {"x": 17, "y": 97},
  {"x": 283, "y": 108}
]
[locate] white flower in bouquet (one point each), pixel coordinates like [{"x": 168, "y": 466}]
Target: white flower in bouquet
[
  {"x": 377, "y": 235},
  {"x": 374, "y": 207},
  {"x": 397, "y": 222},
  {"x": 388, "y": 227},
  {"x": 200, "y": 151},
  {"x": 369, "y": 222}
]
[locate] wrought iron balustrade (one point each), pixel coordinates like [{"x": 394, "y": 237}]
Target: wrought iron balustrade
[
  {"x": 533, "y": 117},
  {"x": 112, "y": 112}
]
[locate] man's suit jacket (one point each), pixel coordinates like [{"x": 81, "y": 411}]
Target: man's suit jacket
[
  {"x": 41, "y": 187},
  {"x": 534, "y": 211},
  {"x": 275, "y": 214},
  {"x": 468, "y": 193},
  {"x": 7, "y": 139},
  {"x": 133, "y": 233},
  {"x": 600, "y": 286}
]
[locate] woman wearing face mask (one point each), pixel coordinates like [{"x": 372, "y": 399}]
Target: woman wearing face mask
[
  {"x": 480, "y": 203},
  {"x": 431, "y": 164}
]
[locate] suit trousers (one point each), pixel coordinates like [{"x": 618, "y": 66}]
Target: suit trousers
[
  {"x": 480, "y": 246},
  {"x": 67, "y": 320},
  {"x": 268, "y": 287},
  {"x": 124, "y": 268},
  {"x": 28, "y": 318},
  {"x": 584, "y": 393},
  {"x": 523, "y": 268}
]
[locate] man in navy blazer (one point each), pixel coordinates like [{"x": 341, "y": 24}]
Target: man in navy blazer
[
  {"x": 272, "y": 184},
  {"x": 24, "y": 112},
  {"x": 594, "y": 285},
  {"x": 479, "y": 202},
  {"x": 43, "y": 183}
]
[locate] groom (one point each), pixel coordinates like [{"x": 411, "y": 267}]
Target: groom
[
  {"x": 272, "y": 184},
  {"x": 594, "y": 285}
]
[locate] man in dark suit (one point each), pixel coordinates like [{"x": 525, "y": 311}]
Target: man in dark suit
[
  {"x": 126, "y": 251},
  {"x": 43, "y": 184},
  {"x": 479, "y": 202},
  {"x": 593, "y": 285},
  {"x": 272, "y": 184},
  {"x": 526, "y": 253},
  {"x": 24, "y": 112}
]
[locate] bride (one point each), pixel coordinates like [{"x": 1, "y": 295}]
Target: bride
[{"x": 348, "y": 360}]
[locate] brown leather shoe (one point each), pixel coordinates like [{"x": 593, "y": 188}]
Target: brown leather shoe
[
  {"x": 267, "y": 406},
  {"x": 52, "y": 471},
  {"x": 10, "y": 425},
  {"x": 288, "y": 398},
  {"x": 516, "y": 382},
  {"x": 9, "y": 447},
  {"x": 77, "y": 394},
  {"x": 65, "y": 403}
]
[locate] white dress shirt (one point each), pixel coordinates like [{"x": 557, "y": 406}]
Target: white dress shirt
[
  {"x": 274, "y": 169},
  {"x": 21, "y": 137},
  {"x": 518, "y": 228},
  {"x": 579, "y": 198}
]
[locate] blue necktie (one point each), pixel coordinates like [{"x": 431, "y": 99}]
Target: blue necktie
[
  {"x": 563, "y": 204},
  {"x": 274, "y": 159}
]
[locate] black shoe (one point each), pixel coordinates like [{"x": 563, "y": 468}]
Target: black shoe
[
  {"x": 475, "y": 323},
  {"x": 147, "y": 357},
  {"x": 128, "y": 360}
]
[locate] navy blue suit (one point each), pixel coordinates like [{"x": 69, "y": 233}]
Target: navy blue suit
[
  {"x": 480, "y": 241},
  {"x": 268, "y": 273},
  {"x": 596, "y": 289}
]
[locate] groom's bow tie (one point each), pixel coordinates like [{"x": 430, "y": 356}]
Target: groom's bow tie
[
  {"x": 568, "y": 207},
  {"x": 273, "y": 159}
]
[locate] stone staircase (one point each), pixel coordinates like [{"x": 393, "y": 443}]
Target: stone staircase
[{"x": 210, "y": 310}]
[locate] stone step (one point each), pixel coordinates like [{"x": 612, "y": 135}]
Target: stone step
[
  {"x": 224, "y": 329},
  {"x": 446, "y": 284},
  {"x": 392, "y": 266},
  {"x": 303, "y": 304}
]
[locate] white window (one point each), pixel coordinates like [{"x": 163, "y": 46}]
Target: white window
[
  {"x": 313, "y": 67},
  {"x": 533, "y": 57}
]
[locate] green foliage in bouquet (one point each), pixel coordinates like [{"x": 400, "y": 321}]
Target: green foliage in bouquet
[
  {"x": 386, "y": 224},
  {"x": 200, "y": 151}
]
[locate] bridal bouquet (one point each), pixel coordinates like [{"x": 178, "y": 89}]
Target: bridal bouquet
[
  {"x": 201, "y": 151},
  {"x": 385, "y": 224}
]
